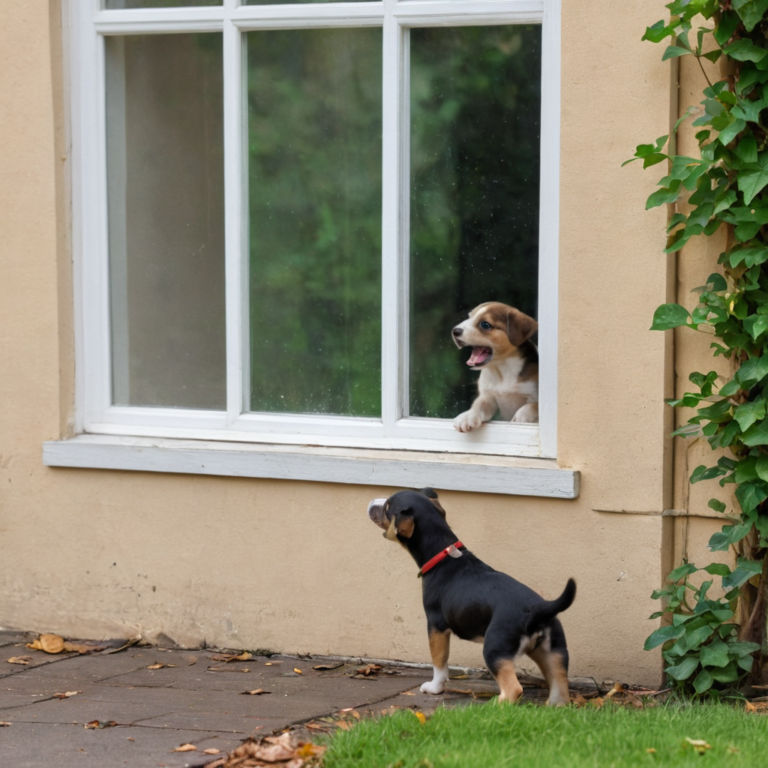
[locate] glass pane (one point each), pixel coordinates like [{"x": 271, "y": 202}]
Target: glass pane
[
  {"x": 118, "y": 5},
  {"x": 314, "y": 131},
  {"x": 166, "y": 220},
  {"x": 294, "y": 2},
  {"x": 475, "y": 112}
]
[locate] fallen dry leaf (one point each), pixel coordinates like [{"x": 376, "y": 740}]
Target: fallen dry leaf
[
  {"x": 408, "y": 693},
  {"x": 421, "y": 717},
  {"x": 297, "y": 671},
  {"x": 211, "y": 751},
  {"x": 651, "y": 751},
  {"x": 343, "y": 724},
  {"x": 326, "y": 667},
  {"x": 48, "y": 643},
  {"x": 272, "y": 663},
  {"x": 617, "y": 688},
  {"x": 66, "y": 694},
  {"x": 185, "y": 748},
  {"x": 230, "y": 669},
  {"x": 578, "y": 700},
  {"x": 463, "y": 692},
  {"x": 368, "y": 670},
  {"x": 100, "y": 724},
  {"x": 160, "y": 665},
  {"x": 3, "y": 724},
  {"x": 191, "y": 660},
  {"x": 459, "y": 677},
  {"x": 20, "y": 660},
  {"x": 228, "y": 657},
  {"x": 256, "y": 692},
  {"x": 699, "y": 745}
]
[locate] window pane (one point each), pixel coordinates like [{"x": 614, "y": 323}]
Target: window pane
[
  {"x": 314, "y": 120},
  {"x": 295, "y": 2},
  {"x": 117, "y": 5},
  {"x": 475, "y": 117},
  {"x": 166, "y": 220}
]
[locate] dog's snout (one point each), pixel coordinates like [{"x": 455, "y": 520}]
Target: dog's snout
[
  {"x": 376, "y": 512},
  {"x": 457, "y": 331}
]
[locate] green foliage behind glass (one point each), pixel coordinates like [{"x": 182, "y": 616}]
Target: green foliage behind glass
[
  {"x": 314, "y": 131},
  {"x": 475, "y": 117}
]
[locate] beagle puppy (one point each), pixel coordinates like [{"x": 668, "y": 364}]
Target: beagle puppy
[{"x": 508, "y": 363}]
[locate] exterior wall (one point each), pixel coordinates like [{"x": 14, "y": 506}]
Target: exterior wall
[{"x": 297, "y": 566}]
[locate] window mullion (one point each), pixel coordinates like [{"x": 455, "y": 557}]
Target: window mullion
[
  {"x": 235, "y": 218},
  {"x": 394, "y": 223},
  {"x": 549, "y": 227}
]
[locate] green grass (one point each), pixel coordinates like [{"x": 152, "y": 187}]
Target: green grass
[{"x": 531, "y": 736}]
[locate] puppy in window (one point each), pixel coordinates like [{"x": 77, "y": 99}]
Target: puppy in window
[{"x": 508, "y": 363}]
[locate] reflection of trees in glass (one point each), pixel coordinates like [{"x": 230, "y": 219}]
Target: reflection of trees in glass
[
  {"x": 314, "y": 131},
  {"x": 475, "y": 116}
]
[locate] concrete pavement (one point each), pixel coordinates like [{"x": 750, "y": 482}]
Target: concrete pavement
[{"x": 135, "y": 706}]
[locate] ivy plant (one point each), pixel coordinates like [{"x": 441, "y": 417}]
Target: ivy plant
[{"x": 713, "y": 644}]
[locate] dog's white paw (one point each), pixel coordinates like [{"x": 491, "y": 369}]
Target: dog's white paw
[
  {"x": 467, "y": 421},
  {"x": 528, "y": 414},
  {"x": 433, "y": 686}
]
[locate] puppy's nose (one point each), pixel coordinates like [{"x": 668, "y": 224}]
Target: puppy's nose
[{"x": 457, "y": 331}]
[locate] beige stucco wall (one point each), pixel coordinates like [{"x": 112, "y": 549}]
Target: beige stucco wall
[{"x": 297, "y": 566}]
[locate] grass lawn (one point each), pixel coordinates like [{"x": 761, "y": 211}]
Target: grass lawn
[{"x": 531, "y": 736}]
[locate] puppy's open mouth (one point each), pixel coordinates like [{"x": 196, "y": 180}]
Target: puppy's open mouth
[{"x": 480, "y": 356}]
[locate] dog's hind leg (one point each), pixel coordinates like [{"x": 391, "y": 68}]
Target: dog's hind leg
[
  {"x": 552, "y": 659},
  {"x": 496, "y": 652},
  {"x": 439, "y": 648},
  {"x": 506, "y": 678}
]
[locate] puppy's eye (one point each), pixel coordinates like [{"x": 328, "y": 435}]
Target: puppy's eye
[{"x": 485, "y": 325}]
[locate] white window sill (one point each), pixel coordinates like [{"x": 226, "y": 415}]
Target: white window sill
[{"x": 397, "y": 469}]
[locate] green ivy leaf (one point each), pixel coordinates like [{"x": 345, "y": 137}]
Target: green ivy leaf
[
  {"x": 673, "y": 51},
  {"x": 715, "y": 654},
  {"x": 745, "y": 570},
  {"x": 757, "y": 434},
  {"x": 753, "y": 178},
  {"x": 718, "y": 506},
  {"x": 681, "y": 571},
  {"x": 729, "y": 674},
  {"x": 684, "y": 669},
  {"x": 748, "y": 413},
  {"x": 724, "y": 30},
  {"x": 745, "y": 50},
  {"x": 751, "y": 12},
  {"x": 733, "y": 129},
  {"x": 761, "y": 467},
  {"x": 750, "y": 496},
  {"x": 669, "y": 316},
  {"x": 662, "y": 635},
  {"x": 718, "y": 569},
  {"x": 703, "y": 682},
  {"x": 730, "y": 534}
]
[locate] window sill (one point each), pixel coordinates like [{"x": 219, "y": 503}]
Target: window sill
[{"x": 451, "y": 472}]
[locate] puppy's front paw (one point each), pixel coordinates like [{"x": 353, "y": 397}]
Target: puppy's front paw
[
  {"x": 528, "y": 414},
  {"x": 467, "y": 421},
  {"x": 433, "y": 686}
]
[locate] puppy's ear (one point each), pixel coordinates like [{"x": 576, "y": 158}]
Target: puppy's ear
[
  {"x": 520, "y": 327},
  {"x": 401, "y": 524},
  {"x": 431, "y": 494}
]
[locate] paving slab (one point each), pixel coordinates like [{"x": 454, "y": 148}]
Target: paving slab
[{"x": 26, "y": 745}]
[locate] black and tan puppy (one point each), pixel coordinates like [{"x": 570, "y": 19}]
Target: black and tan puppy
[{"x": 464, "y": 596}]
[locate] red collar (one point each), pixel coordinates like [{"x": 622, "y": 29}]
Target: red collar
[{"x": 452, "y": 550}]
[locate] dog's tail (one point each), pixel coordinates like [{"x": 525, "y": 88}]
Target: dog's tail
[{"x": 543, "y": 613}]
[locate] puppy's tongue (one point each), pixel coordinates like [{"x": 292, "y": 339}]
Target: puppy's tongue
[{"x": 479, "y": 355}]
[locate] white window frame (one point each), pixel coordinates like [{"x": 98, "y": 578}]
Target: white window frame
[{"x": 89, "y": 26}]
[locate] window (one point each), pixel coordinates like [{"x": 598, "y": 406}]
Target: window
[{"x": 281, "y": 211}]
